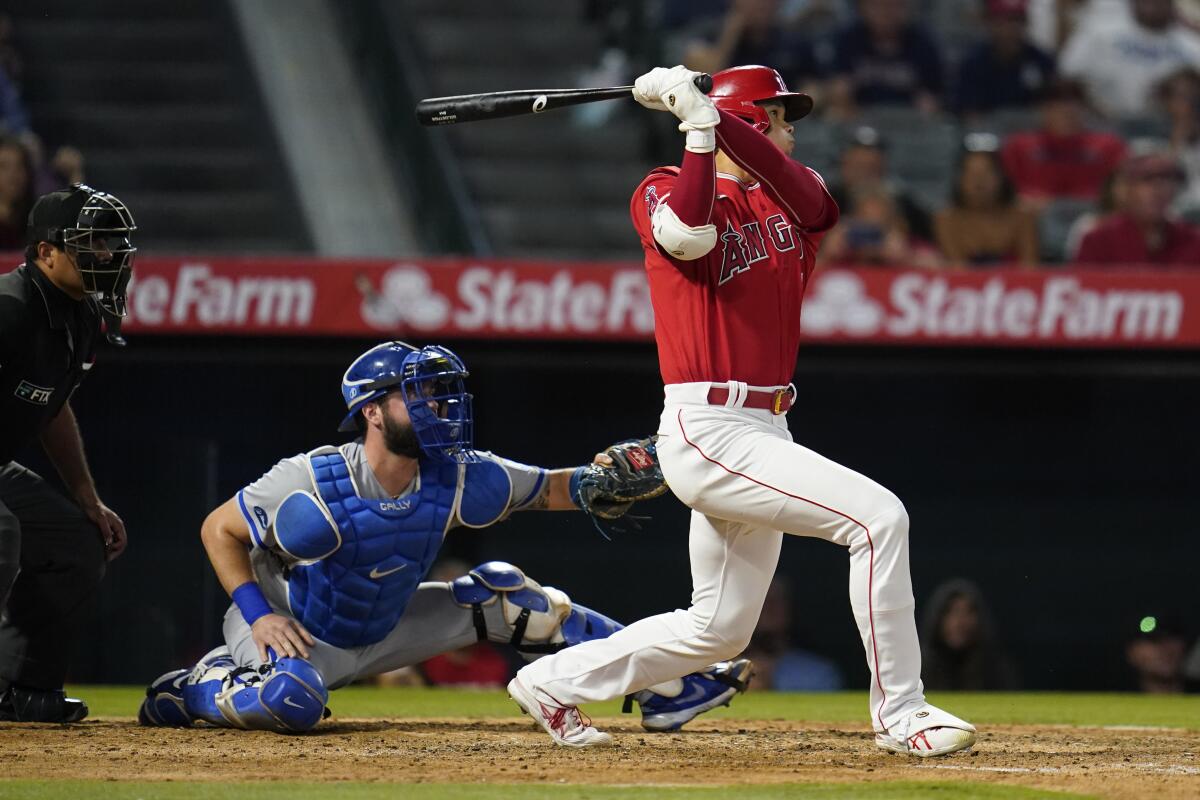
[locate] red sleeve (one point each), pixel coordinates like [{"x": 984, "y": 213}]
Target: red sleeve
[
  {"x": 650, "y": 192},
  {"x": 695, "y": 189},
  {"x": 797, "y": 189}
]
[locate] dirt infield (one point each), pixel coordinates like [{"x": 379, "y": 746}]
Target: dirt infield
[{"x": 1104, "y": 762}]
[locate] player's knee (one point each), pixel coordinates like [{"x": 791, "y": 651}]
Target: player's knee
[
  {"x": 891, "y": 524},
  {"x": 287, "y": 697},
  {"x": 294, "y": 694},
  {"x": 517, "y": 610},
  {"x": 720, "y": 637}
]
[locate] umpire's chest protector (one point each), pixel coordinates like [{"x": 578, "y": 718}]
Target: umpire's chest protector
[{"x": 355, "y": 595}]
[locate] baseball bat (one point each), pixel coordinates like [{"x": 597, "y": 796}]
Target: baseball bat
[{"x": 494, "y": 105}]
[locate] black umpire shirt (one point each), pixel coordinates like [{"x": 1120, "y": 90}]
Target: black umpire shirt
[{"x": 47, "y": 344}]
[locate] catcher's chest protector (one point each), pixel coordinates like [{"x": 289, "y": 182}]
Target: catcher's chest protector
[{"x": 356, "y": 595}]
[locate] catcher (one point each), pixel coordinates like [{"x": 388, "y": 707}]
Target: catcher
[{"x": 324, "y": 555}]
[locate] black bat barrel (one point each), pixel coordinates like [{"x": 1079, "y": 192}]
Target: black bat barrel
[{"x": 494, "y": 105}]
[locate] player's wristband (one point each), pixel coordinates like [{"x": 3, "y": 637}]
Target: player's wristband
[
  {"x": 576, "y": 477},
  {"x": 251, "y": 602}
]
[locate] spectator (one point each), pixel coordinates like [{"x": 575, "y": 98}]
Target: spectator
[
  {"x": 16, "y": 193},
  {"x": 959, "y": 646},
  {"x": 1179, "y": 95},
  {"x": 1122, "y": 58},
  {"x": 1144, "y": 233},
  {"x": 872, "y": 232},
  {"x": 1004, "y": 70},
  {"x": 1112, "y": 200},
  {"x": 1062, "y": 158},
  {"x": 751, "y": 33},
  {"x": 863, "y": 165},
  {"x": 884, "y": 59},
  {"x": 778, "y": 663},
  {"x": 1157, "y": 655},
  {"x": 984, "y": 225}
]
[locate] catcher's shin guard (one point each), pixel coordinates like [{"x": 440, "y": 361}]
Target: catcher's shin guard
[
  {"x": 285, "y": 696},
  {"x": 537, "y": 619}
]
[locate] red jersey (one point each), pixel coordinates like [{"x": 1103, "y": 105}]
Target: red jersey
[
  {"x": 1118, "y": 241},
  {"x": 1041, "y": 164},
  {"x": 734, "y": 314}
]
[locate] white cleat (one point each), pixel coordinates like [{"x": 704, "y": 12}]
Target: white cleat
[
  {"x": 926, "y": 732},
  {"x": 565, "y": 724}
]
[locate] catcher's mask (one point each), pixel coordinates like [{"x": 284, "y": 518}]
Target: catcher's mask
[
  {"x": 432, "y": 381},
  {"x": 95, "y": 228}
]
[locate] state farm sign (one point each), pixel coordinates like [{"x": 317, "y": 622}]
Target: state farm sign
[
  {"x": 1010, "y": 307},
  {"x": 433, "y": 298}
]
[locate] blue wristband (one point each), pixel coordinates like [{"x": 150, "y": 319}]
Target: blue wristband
[
  {"x": 577, "y": 476},
  {"x": 251, "y": 602}
]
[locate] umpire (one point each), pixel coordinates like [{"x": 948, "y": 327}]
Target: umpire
[{"x": 53, "y": 549}]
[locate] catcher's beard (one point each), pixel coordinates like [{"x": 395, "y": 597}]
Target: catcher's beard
[{"x": 400, "y": 438}]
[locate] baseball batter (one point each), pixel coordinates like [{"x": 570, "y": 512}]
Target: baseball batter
[
  {"x": 324, "y": 558},
  {"x": 730, "y": 240}
]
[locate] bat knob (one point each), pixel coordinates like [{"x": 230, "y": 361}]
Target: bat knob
[{"x": 703, "y": 82}]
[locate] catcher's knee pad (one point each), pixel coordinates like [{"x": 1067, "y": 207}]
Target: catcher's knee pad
[
  {"x": 164, "y": 706},
  {"x": 289, "y": 697},
  {"x": 286, "y": 696},
  {"x": 536, "y": 617}
]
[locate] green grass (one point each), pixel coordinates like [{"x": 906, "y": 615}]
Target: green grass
[
  {"x": 128, "y": 790},
  {"x": 1027, "y": 708}
]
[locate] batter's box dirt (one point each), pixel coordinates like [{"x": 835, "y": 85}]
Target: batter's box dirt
[{"x": 1109, "y": 763}]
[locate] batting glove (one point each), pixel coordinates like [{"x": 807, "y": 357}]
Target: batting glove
[{"x": 673, "y": 90}]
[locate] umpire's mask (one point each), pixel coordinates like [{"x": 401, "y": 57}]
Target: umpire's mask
[{"x": 95, "y": 228}]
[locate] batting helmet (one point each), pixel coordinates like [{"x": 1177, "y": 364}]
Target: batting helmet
[
  {"x": 430, "y": 376},
  {"x": 742, "y": 90}
]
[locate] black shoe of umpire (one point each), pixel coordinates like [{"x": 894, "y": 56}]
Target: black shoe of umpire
[{"x": 23, "y": 704}]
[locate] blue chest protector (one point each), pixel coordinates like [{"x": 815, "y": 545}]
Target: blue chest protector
[{"x": 381, "y": 549}]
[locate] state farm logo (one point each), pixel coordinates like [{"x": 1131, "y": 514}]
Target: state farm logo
[
  {"x": 406, "y": 297},
  {"x": 489, "y": 299},
  {"x": 838, "y": 303},
  {"x": 917, "y": 305},
  {"x": 195, "y": 295}
]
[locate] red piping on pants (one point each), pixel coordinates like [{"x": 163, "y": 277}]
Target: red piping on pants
[{"x": 871, "y": 544}]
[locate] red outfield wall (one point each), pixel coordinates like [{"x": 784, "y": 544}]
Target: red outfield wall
[{"x": 473, "y": 298}]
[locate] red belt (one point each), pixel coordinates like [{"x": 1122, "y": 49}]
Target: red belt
[{"x": 777, "y": 401}]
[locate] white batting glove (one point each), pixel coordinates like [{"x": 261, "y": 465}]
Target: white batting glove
[{"x": 673, "y": 90}]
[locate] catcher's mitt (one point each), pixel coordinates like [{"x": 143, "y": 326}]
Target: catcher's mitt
[{"x": 608, "y": 491}]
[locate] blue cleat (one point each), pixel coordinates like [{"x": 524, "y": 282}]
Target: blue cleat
[
  {"x": 700, "y": 692},
  {"x": 163, "y": 706}
]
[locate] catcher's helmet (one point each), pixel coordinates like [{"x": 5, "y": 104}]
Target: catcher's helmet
[
  {"x": 741, "y": 90},
  {"x": 429, "y": 376},
  {"x": 96, "y": 229}
]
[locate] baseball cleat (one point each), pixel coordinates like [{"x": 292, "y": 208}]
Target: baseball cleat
[
  {"x": 926, "y": 732},
  {"x": 698, "y": 692},
  {"x": 164, "y": 706},
  {"x": 565, "y": 724},
  {"x": 26, "y": 704}
]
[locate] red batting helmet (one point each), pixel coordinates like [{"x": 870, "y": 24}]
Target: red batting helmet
[{"x": 740, "y": 90}]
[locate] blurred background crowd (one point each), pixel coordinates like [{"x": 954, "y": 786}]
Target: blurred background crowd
[{"x": 968, "y": 133}]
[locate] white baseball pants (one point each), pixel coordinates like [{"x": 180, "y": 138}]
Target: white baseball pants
[{"x": 747, "y": 483}]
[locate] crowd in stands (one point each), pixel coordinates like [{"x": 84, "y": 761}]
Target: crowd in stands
[
  {"x": 26, "y": 171},
  {"x": 1025, "y": 132}
]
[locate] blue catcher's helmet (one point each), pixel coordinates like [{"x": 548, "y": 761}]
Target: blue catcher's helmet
[{"x": 432, "y": 379}]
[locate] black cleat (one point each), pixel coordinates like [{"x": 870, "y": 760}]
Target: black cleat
[{"x": 23, "y": 704}]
